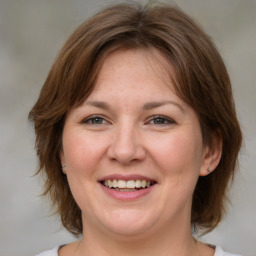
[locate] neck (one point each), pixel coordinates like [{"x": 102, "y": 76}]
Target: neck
[{"x": 176, "y": 240}]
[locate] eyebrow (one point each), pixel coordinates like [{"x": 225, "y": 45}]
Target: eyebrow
[
  {"x": 156, "y": 104},
  {"x": 98, "y": 104},
  {"x": 146, "y": 106}
]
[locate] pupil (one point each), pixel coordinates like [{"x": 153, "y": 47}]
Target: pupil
[
  {"x": 159, "y": 121},
  {"x": 97, "y": 121}
]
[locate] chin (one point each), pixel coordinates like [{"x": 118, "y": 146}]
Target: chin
[{"x": 129, "y": 222}]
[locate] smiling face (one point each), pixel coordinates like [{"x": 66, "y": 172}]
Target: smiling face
[{"x": 133, "y": 150}]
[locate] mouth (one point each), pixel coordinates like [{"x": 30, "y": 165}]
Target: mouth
[{"x": 127, "y": 185}]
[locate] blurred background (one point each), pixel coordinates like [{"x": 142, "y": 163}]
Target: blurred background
[{"x": 31, "y": 34}]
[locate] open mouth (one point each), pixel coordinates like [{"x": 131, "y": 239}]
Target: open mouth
[{"x": 127, "y": 186}]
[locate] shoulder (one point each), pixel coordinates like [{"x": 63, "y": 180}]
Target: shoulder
[
  {"x": 53, "y": 252},
  {"x": 220, "y": 252}
]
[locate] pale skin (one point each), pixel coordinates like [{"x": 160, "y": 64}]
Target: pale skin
[{"x": 133, "y": 123}]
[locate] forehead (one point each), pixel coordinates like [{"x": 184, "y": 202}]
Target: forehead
[
  {"x": 133, "y": 78},
  {"x": 137, "y": 68}
]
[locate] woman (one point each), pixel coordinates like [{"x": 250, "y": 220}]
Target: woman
[{"x": 137, "y": 134}]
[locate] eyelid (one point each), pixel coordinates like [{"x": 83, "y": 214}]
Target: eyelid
[
  {"x": 168, "y": 119},
  {"x": 87, "y": 119}
]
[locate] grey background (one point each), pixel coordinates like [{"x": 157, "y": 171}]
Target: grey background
[{"x": 31, "y": 34}]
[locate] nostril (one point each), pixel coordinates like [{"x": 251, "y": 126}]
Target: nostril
[
  {"x": 126, "y": 154},
  {"x": 126, "y": 144}
]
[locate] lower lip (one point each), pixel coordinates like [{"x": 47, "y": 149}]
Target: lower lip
[{"x": 126, "y": 196}]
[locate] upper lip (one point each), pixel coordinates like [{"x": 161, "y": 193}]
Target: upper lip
[{"x": 126, "y": 177}]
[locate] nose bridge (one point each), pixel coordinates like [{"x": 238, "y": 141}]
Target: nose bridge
[{"x": 126, "y": 143}]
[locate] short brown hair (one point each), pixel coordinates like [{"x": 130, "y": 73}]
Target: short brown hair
[{"x": 201, "y": 80}]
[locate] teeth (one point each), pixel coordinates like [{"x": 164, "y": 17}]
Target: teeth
[
  {"x": 115, "y": 184},
  {"x": 138, "y": 183},
  {"x": 131, "y": 184},
  {"x": 110, "y": 183},
  {"x": 120, "y": 184}
]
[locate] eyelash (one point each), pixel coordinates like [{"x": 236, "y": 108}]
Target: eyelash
[
  {"x": 165, "y": 120},
  {"x": 90, "y": 120}
]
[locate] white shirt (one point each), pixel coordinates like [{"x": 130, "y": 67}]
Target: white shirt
[{"x": 218, "y": 252}]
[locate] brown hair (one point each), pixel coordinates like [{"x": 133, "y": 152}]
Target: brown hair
[{"x": 201, "y": 80}]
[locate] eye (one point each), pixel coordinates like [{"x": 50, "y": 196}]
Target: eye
[
  {"x": 94, "y": 120},
  {"x": 161, "y": 120}
]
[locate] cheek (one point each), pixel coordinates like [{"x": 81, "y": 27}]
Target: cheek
[
  {"x": 81, "y": 152},
  {"x": 179, "y": 153}
]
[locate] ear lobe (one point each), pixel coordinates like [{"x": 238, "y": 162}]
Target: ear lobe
[
  {"x": 212, "y": 156},
  {"x": 62, "y": 160},
  {"x": 63, "y": 169}
]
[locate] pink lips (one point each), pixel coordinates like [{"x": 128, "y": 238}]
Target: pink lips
[{"x": 126, "y": 195}]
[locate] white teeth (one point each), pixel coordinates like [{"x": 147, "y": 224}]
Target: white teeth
[
  {"x": 138, "y": 183},
  {"x": 131, "y": 184},
  {"x": 121, "y": 184},
  {"x": 115, "y": 184},
  {"x": 110, "y": 183}
]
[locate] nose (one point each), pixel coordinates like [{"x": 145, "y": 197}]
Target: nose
[{"x": 126, "y": 146}]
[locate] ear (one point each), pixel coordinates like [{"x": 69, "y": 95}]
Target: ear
[
  {"x": 211, "y": 156},
  {"x": 62, "y": 160}
]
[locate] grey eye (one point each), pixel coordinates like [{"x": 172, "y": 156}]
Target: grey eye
[
  {"x": 161, "y": 120},
  {"x": 95, "y": 120}
]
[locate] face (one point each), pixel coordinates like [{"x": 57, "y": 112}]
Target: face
[{"x": 133, "y": 150}]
